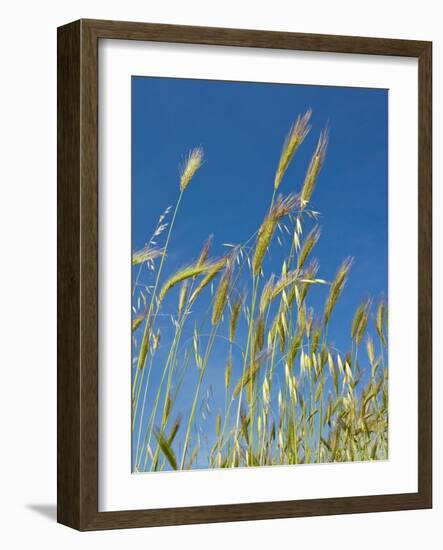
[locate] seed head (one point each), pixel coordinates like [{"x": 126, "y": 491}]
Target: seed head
[
  {"x": 281, "y": 208},
  {"x": 337, "y": 287},
  {"x": 314, "y": 168},
  {"x": 294, "y": 138},
  {"x": 193, "y": 162}
]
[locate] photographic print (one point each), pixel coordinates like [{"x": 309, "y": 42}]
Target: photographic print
[
  {"x": 259, "y": 289},
  {"x": 227, "y": 202}
]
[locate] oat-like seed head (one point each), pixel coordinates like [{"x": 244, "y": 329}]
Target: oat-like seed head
[{"x": 147, "y": 254}]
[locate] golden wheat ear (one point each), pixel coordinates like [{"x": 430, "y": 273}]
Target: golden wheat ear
[
  {"x": 297, "y": 133},
  {"x": 205, "y": 250},
  {"x": 379, "y": 320},
  {"x": 360, "y": 321},
  {"x": 236, "y": 307},
  {"x": 217, "y": 266},
  {"x": 310, "y": 241},
  {"x": 314, "y": 168},
  {"x": 221, "y": 296},
  {"x": 193, "y": 162},
  {"x": 279, "y": 209},
  {"x": 337, "y": 287},
  {"x": 183, "y": 274}
]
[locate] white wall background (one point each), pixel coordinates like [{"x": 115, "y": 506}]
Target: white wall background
[{"x": 28, "y": 272}]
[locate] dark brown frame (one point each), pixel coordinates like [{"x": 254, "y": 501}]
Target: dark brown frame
[{"x": 77, "y": 453}]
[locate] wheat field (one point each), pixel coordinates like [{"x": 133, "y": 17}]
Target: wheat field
[{"x": 290, "y": 395}]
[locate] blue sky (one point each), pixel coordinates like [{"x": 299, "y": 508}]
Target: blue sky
[{"x": 241, "y": 127}]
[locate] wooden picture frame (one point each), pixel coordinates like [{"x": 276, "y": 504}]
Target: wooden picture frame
[{"x": 77, "y": 456}]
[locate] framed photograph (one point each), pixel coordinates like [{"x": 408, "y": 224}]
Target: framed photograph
[{"x": 244, "y": 275}]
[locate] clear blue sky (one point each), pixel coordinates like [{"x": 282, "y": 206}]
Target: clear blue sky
[{"x": 241, "y": 127}]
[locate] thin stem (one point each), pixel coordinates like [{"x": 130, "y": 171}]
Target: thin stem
[
  {"x": 245, "y": 361},
  {"x": 154, "y": 292},
  {"x": 194, "y": 404}
]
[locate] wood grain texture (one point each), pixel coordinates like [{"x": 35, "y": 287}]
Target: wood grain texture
[
  {"x": 68, "y": 275},
  {"x": 425, "y": 274},
  {"x": 254, "y": 38},
  {"x": 77, "y": 452}
]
